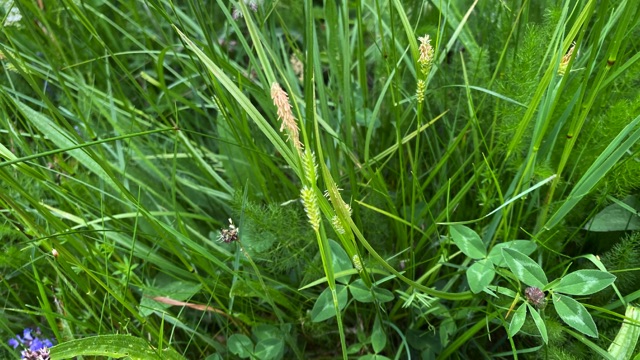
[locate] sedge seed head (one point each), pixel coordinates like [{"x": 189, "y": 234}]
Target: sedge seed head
[
  {"x": 310, "y": 167},
  {"x": 281, "y": 102},
  {"x": 564, "y": 63},
  {"x": 357, "y": 263},
  {"x": 422, "y": 86},
  {"x": 310, "y": 203},
  {"x": 337, "y": 225},
  {"x": 426, "y": 54}
]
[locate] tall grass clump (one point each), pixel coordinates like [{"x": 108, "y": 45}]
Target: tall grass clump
[{"x": 307, "y": 179}]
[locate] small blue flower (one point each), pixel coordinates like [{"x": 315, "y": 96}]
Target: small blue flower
[
  {"x": 36, "y": 344},
  {"x": 26, "y": 334},
  {"x": 14, "y": 343},
  {"x": 34, "y": 347}
]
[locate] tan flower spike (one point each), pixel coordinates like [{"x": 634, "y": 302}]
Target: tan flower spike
[
  {"x": 281, "y": 101},
  {"x": 564, "y": 63},
  {"x": 426, "y": 54}
]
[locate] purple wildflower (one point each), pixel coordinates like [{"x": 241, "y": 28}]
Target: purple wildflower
[
  {"x": 34, "y": 347},
  {"x": 42, "y": 354},
  {"x": 536, "y": 297},
  {"x": 26, "y": 334}
]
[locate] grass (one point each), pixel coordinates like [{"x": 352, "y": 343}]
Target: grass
[{"x": 369, "y": 226}]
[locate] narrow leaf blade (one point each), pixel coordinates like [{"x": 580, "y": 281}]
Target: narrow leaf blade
[{"x": 537, "y": 319}]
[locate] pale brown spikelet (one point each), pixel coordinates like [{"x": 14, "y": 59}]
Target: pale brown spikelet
[
  {"x": 426, "y": 54},
  {"x": 281, "y": 101},
  {"x": 297, "y": 66},
  {"x": 564, "y": 63}
]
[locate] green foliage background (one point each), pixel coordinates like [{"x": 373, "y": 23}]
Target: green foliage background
[{"x": 126, "y": 153}]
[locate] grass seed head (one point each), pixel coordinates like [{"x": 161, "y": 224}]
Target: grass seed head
[
  {"x": 310, "y": 167},
  {"x": 311, "y": 207},
  {"x": 426, "y": 55},
  {"x": 357, "y": 263},
  {"x": 564, "y": 63},
  {"x": 281, "y": 101},
  {"x": 422, "y": 86}
]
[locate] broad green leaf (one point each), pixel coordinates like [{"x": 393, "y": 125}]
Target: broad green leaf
[
  {"x": 266, "y": 331},
  {"x": 518, "y": 319},
  {"x": 360, "y": 291},
  {"x": 525, "y": 269},
  {"x": 598, "y": 263},
  {"x": 448, "y": 328},
  {"x": 362, "y": 294},
  {"x": 537, "y": 319},
  {"x": 620, "y": 146},
  {"x": 378, "y": 337},
  {"x": 341, "y": 261},
  {"x": 355, "y": 348},
  {"x": 468, "y": 241},
  {"x": 575, "y": 315},
  {"x": 117, "y": 346},
  {"x": 175, "y": 290},
  {"x": 382, "y": 295},
  {"x": 584, "y": 282},
  {"x": 269, "y": 349},
  {"x": 622, "y": 216},
  {"x": 480, "y": 275},
  {"x": 240, "y": 345},
  {"x": 526, "y": 247},
  {"x": 323, "y": 309},
  {"x": 625, "y": 342}
]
